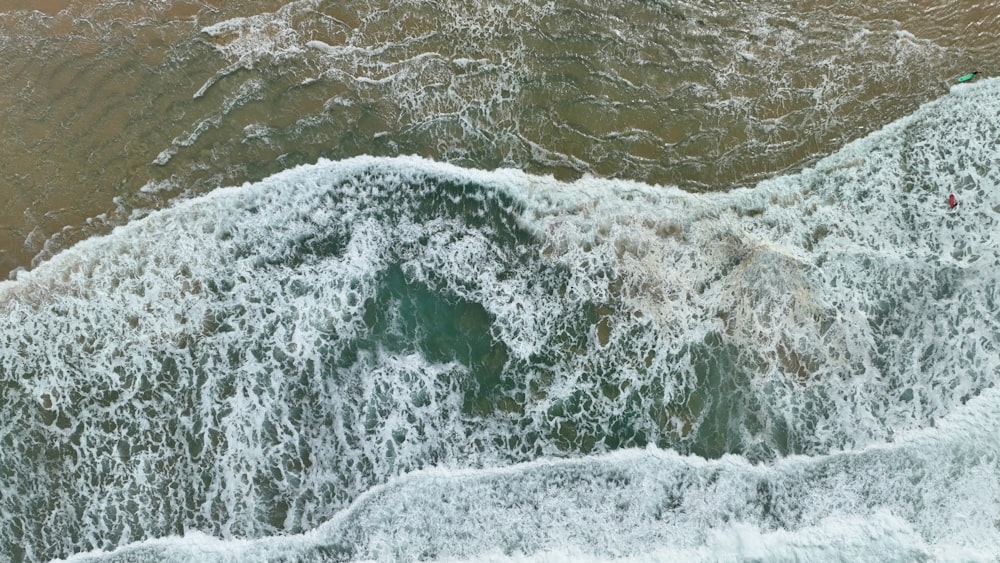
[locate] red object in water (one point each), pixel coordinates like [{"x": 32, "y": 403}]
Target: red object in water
[{"x": 951, "y": 201}]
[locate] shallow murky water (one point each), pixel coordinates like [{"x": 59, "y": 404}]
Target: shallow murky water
[{"x": 112, "y": 107}]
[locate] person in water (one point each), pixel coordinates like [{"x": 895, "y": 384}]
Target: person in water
[{"x": 952, "y": 202}]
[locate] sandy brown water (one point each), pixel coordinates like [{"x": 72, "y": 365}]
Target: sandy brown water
[{"x": 114, "y": 107}]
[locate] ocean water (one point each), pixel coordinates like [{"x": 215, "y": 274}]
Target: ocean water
[{"x": 500, "y": 283}]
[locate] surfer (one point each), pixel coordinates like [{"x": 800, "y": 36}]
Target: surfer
[{"x": 952, "y": 202}]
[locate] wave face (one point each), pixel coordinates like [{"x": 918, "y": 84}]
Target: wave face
[{"x": 395, "y": 359}]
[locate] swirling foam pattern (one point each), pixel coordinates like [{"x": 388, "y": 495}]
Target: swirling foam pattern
[{"x": 396, "y": 359}]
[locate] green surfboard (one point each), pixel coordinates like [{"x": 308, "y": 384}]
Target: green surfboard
[{"x": 967, "y": 77}]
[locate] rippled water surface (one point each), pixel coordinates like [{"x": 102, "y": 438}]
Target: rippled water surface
[{"x": 113, "y": 107}]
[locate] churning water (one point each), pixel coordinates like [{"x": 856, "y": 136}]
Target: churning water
[{"x": 375, "y": 356}]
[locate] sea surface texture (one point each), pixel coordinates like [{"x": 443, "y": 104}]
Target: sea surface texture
[{"x": 522, "y": 281}]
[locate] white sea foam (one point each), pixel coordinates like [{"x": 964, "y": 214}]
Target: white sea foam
[
  {"x": 929, "y": 496},
  {"x": 265, "y": 36},
  {"x": 269, "y": 360},
  {"x": 513, "y": 85}
]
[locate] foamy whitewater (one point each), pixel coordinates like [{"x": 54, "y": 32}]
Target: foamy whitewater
[{"x": 396, "y": 359}]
